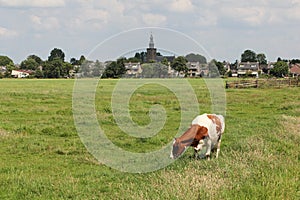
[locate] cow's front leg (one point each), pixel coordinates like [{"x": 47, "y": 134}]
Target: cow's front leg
[
  {"x": 208, "y": 149},
  {"x": 195, "y": 153},
  {"x": 198, "y": 148}
]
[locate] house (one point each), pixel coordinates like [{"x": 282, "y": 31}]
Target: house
[
  {"x": 196, "y": 69},
  {"x": 133, "y": 70},
  {"x": 248, "y": 69},
  {"x": 2, "y": 69},
  {"x": 20, "y": 73},
  {"x": 193, "y": 69},
  {"x": 295, "y": 70}
]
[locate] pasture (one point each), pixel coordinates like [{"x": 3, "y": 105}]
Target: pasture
[{"x": 42, "y": 157}]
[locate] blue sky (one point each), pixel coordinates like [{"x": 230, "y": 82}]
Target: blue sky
[{"x": 223, "y": 29}]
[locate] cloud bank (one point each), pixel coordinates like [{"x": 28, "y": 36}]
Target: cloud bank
[{"x": 225, "y": 27}]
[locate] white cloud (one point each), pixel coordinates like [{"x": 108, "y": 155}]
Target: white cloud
[
  {"x": 4, "y": 32},
  {"x": 293, "y": 13},
  {"x": 207, "y": 18},
  {"x": 181, "y": 6},
  {"x": 47, "y": 23},
  {"x": 154, "y": 19},
  {"x": 89, "y": 18},
  {"x": 32, "y": 3},
  {"x": 251, "y": 16}
]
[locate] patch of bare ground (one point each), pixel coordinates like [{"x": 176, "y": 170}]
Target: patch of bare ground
[
  {"x": 3, "y": 133},
  {"x": 192, "y": 183},
  {"x": 291, "y": 126}
]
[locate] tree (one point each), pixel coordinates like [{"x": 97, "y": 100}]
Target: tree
[
  {"x": 220, "y": 66},
  {"x": 261, "y": 58},
  {"x": 29, "y": 63},
  {"x": 294, "y": 61},
  {"x": 66, "y": 67},
  {"x": 32, "y": 62},
  {"x": 138, "y": 55},
  {"x": 53, "y": 69},
  {"x": 196, "y": 58},
  {"x": 280, "y": 69},
  {"x": 110, "y": 71},
  {"x": 81, "y": 60},
  {"x": 134, "y": 60},
  {"x": 4, "y": 61},
  {"x": 9, "y": 68},
  {"x": 85, "y": 70},
  {"x": 216, "y": 68},
  {"x": 115, "y": 69},
  {"x": 56, "y": 68},
  {"x": 141, "y": 56},
  {"x": 154, "y": 70},
  {"x": 234, "y": 66},
  {"x": 165, "y": 62},
  {"x": 39, "y": 74},
  {"x": 97, "y": 69},
  {"x": 73, "y": 61},
  {"x": 36, "y": 58},
  {"x": 179, "y": 64},
  {"x": 248, "y": 56},
  {"x": 56, "y": 54}
]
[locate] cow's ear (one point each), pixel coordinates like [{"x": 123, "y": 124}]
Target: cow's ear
[{"x": 202, "y": 131}]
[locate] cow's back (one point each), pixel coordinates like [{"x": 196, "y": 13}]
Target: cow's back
[{"x": 204, "y": 120}]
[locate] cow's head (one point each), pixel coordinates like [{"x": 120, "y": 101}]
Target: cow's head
[{"x": 177, "y": 149}]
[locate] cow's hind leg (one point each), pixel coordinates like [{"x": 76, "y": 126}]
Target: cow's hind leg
[{"x": 218, "y": 148}]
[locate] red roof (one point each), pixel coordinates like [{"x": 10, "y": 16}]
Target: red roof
[
  {"x": 295, "y": 69},
  {"x": 25, "y": 71}
]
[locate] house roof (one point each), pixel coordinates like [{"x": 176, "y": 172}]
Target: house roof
[
  {"x": 248, "y": 65},
  {"x": 24, "y": 71},
  {"x": 295, "y": 69}
]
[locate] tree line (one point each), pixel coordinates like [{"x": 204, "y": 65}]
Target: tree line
[{"x": 56, "y": 66}]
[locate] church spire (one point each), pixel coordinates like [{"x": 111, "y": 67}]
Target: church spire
[{"x": 151, "y": 43}]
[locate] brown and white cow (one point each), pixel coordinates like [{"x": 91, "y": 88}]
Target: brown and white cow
[{"x": 206, "y": 130}]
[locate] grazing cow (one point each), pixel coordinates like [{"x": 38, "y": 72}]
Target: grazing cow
[{"x": 206, "y": 130}]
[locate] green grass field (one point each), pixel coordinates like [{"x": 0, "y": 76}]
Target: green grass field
[{"x": 42, "y": 157}]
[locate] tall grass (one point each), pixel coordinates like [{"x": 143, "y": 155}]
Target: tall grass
[{"x": 41, "y": 156}]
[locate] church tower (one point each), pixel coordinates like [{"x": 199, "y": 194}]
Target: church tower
[{"x": 151, "y": 51}]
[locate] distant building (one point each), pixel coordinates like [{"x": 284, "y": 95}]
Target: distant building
[
  {"x": 2, "y": 69},
  {"x": 133, "y": 70},
  {"x": 152, "y": 56},
  {"x": 21, "y": 73},
  {"x": 151, "y": 51},
  {"x": 196, "y": 69},
  {"x": 248, "y": 69},
  {"x": 295, "y": 70}
]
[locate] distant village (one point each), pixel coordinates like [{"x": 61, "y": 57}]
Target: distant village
[{"x": 149, "y": 64}]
